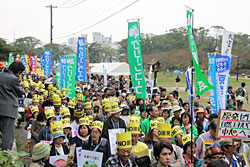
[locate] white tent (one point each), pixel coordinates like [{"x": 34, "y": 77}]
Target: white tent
[{"x": 121, "y": 68}]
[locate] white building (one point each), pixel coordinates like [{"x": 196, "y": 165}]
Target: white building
[
  {"x": 72, "y": 43},
  {"x": 98, "y": 37}
]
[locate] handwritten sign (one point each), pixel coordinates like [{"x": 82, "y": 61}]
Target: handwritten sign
[
  {"x": 91, "y": 157},
  {"x": 112, "y": 138},
  {"x": 58, "y": 161},
  {"x": 233, "y": 124}
]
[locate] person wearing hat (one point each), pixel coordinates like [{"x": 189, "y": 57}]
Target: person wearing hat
[
  {"x": 35, "y": 102},
  {"x": 96, "y": 143},
  {"x": 87, "y": 108},
  {"x": 201, "y": 115},
  {"x": 188, "y": 154},
  {"x": 123, "y": 157},
  {"x": 83, "y": 135},
  {"x": 40, "y": 155},
  {"x": 103, "y": 116},
  {"x": 57, "y": 106},
  {"x": 177, "y": 136},
  {"x": 163, "y": 152},
  {"x": 140, "y": 149},
  {"x": 164, "y": 94},
  {"x": 96, "y": 108},
  {"x": 57, "y": 146},
  {"x": 45, "y": 133},
  {"x": 49, "y": 101},
  {"x": 66, "y": 131},
  {"x": 212, "y": 153},
  {"x": 75, "y": 124},
  {"x": 186, "y": 124},
  {"x": 152, "y": 136},
  {"x": 65, "y": 113},
  {"x": 114, "y": 121},
  {"x": 228, "y": 147},
  {"x": 125, "y": 109}
]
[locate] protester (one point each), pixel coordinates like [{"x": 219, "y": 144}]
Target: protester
[
  {"x": 213, "y": 153},
  {"x": 66, "y": 131},
  {"x": 40, "y": 155},
  {"x": 241, "y": 96},
  {"x": 154, "y": 114},
  {"x": 152, "y": 135},
  {"x": 10, "y": 90},
  {"x": 186, "y": 124}
]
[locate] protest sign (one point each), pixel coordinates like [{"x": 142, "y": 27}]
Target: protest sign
[
  {"x": 47, "y": 59},
  {"x": 233, "y": 124},
  {"x": 205, "y": 146},
  {"x": 63, "y": 71},
  {"x": 70, "y": 76},
  {"x": 112, "y": 139},
  {"x": 227, "y": 43},
  {"x": 91, "y": 157},
  {"x": 78, "y": 155},
  {"x": 58, "y": 161},
  {"x": 245, "y": 159},
  {"x": 81, "y": 60}
]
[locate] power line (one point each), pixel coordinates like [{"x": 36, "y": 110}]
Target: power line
[
  {"x": 73, "y": 5},
  {"x": 64, "y": 3},
  {"x": 100, "y": 20}
]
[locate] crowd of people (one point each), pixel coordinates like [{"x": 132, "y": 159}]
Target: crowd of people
[{"x": 156, "y": 133}]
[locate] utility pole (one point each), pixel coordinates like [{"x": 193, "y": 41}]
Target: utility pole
[
  {"x": 51, "y": 24},
  {"x": 237, "y": 68}
]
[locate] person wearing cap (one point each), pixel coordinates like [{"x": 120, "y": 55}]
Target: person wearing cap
[
  {"x": 228, "y": 147},
  {"x": 213, "y": 153},
  {"x": 140, "y": 149},
  {"x": 40, "y": 155},
  {"x": 57, "y": 105},
  {"x": 96, "y": 108},
  {"x": 154, "y": 114},
  {"x": 103, "y": 116},
  {"x": 163, "y": 152},
  {"x": 75, "y": 124},
  {"x": 123, "y": 156},
  {"x": 114, "y": 121},
  {"x": 83, "y": 135},
  {"x": 79, "y": 99},
  {"x": 45, "y": 133},
  {"x": 176, "y": 111},
  {"x": 188, "y": 154},
  {"x": 35, "y": 102},
  {"x": 57, "y": 146},
  {"x": 177, "y": 136},
  {"x": 87, "y": 108},
  {"x": 49, "y": 101},
  {"x": 209, "y": 136},
  {"x": 201, "y": 115},
  {"x": 152, "y": 136},
  {"x": 96, "y": 143},
  {"x": 125, "y": 109},
  {"x": 34, "y": 111},
  {"x": 66, "y": 131},
  {"x": 186, "y": 124}
]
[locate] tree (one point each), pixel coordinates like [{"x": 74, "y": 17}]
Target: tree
[
  {"x": 5, "y": 49},
  {"x": 58, "y": 50}
]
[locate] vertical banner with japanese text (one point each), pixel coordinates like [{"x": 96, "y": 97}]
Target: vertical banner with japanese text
[
  {"x": 70, "y": 77},
  {"x": 81, "y": 60},
  {"x": 212, "y": 81},
  {"x": 135, "y": 60},
  {"x": 63, "y": 71},
  {"x": 10, "y": 59},
  {"x": 222, "y": 78},
  {"x": 202, "y": 85},
  {"x": 227, "y": 43},
  {"x": 41, "y": 62},
  {"x": 58, "y": 79},
  {"x": 33, "y": 69},
  {"x": 189, "y": 86},
  {"x": 27, "y": 64},
  {"x": 35, "y": 62},
  {"x": 47, "y": 59},
  {"x": 24, "y": 63}
]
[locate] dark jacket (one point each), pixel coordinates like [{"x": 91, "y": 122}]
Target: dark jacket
[
  {"x": 44, "y": 134},
  {"x": 10, "y": 90},
  {"x": 108, "y": 125},
  {"x": 54, "y": 152},
  {"x": 103, "y": 148}
]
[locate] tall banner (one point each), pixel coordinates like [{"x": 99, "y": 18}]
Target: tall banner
[
  {"x": 30, "y": 61},
  {"x": 10, "y": 59},
  {"x": 47, "y": 59},
  {"x": 105, "y": 76},
  {"x": 58, "y": 80},
  {"x": 81, "y": 60},
  {"x": 222, "y": 78},
  {"x": 24, "y": 63},
  {"x": 70, "y": 77},
  {"x": 212, "y": 81},
  {"x": 135, "y": 60},
  {"x": 27, "y": 64},
  {"x": 33, "y": 68},
  {"x": 202, "y": 85},
  {"x": 18, "y": 57},
  {"x": 63, "y": 71},
  {"x": 189, "y": 86},
  {"x": 227, "y": 43},
  {"x": 41, "y": 62},
  {"x": 35, "y": 63}
]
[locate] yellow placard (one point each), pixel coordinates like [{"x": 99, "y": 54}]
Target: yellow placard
[{"x": 205, "y": 146}]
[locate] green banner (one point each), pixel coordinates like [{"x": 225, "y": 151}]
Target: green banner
[
  {"x": 70, "y": 76},
  {"x": 135, "y": 60},
  {"x": 10, "y": 59},
  {"x": 201, "y": 85},
  {"x": 58, "y": 80}
]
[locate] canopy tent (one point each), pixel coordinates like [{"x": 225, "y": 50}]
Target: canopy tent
[
  {"x": 177, "y": 72},
  {"x": 120, "y": 68}
]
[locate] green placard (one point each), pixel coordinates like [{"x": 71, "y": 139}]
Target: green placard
[
  {"x": 10, "y": 59},
  {"x": 58, "y": 80},
  {"x": 70, "y": 76}
]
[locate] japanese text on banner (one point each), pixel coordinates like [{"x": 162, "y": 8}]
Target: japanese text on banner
[
  {"x": 63, "y": 71},
  {"x": 81, "y": 60},
  {"x": 47, "y": 59},
  {"x": 70, "y": 76}
]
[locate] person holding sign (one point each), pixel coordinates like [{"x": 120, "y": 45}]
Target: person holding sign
[
  {"x": 57, "y": 146},
  {"x": 123, "y": 157},
  {"x": 113, "y": 122},
  {"x": 186, "y": 140},
  {"x": 186, "y": 124},
  {"x": 96, "y": 143}
]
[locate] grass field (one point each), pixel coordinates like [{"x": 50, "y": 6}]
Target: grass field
[{"x": 167, "y": 80}]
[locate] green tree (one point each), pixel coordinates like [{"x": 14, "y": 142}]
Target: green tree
[
  {"x": 58, "y": 50},
  {"x": 5, "y": 49}
]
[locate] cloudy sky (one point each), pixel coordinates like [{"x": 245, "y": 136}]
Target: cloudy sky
[{"x": 32, "y": 18}]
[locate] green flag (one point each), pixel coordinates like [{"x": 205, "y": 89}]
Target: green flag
[
  {"x": 201, "y": 85},
  {"x": 135, "y": 60},
  {"x": 10, "y": 59},
  {"x": 58, "y": 79},
  {"x": 70, "y": 76}
]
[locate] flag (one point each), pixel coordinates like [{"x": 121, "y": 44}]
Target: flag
[
  {"x": 227, "y": 43},
  {"x": 70, "y": 77},
  {"x": 10, "y": 59},
  {"x": 47, "y": 59},
  {"x": 81, "y": 60},
  {"x": 30, "y": 61},
  {"x": 63, "y": 71},
  {"x": 58, "y": 80},
  {"x": 135, "y": 60},
  {"x": 202, "y": 85},
  {"x": 189, "y": 87},
  {"x": 27, "y": 64},
  {"x": 18, "y": 57}
]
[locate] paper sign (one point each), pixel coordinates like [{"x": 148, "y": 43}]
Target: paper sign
[
  {"x": 205, "y": 146},
  {"x": 245, "y": 158},
  {"x": 233, "y": 124},
  {"x": 125, "y": 119},
  {"x": 78, "y": 155},
  {"x": 44, "y": 141},
  {"x": 29, "y": 132},
  {"x": 112, "y": 139},
  {"x": 91, "y": 157},
  {"x": 58, "y": 161}
]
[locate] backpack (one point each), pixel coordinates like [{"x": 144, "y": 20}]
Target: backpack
[{"x": 240, "y": 94}]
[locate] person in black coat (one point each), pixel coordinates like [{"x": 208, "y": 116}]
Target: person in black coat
[
  {"x": 96, "y": 143},
  {"x": 10, "y": 90},
  {"x": 113, "y": 122}
]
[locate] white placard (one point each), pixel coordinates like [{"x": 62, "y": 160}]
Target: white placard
[
  {"x": 92, "y": 158},
  {"x": 112, "y": 139},
  {"x": 125, "y": 119},
  {"x": 78, "y": 155},
  {"x": 58, "y": 161},
  {"x": 29, "y": 132}
]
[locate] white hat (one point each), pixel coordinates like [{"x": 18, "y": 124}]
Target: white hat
[{"x": 176, "y": 108}]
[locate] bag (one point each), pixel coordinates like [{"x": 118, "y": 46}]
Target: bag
[
  {"x": 27, "y": 146},
  {"x": 240, "y": 95}
]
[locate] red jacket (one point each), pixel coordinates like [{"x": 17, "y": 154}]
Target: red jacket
[{"x": 28, "y": 114}]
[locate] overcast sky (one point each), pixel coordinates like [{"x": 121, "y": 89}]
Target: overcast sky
[{"x": 32, "y": 18}]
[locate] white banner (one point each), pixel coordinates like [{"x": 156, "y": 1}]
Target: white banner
[
  {"x": 227, "y": 43},
  {"x": 91, "y": 157},
  {"x": 58, "y": 161},
  {"x": 112, "y": 139},
  {"x": 78, "y": 155}
]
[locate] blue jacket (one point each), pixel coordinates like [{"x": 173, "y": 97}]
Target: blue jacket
[{"x": 44, "y": 134}]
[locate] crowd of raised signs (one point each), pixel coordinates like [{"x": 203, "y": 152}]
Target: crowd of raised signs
[{"x": 108, "y": 126}]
